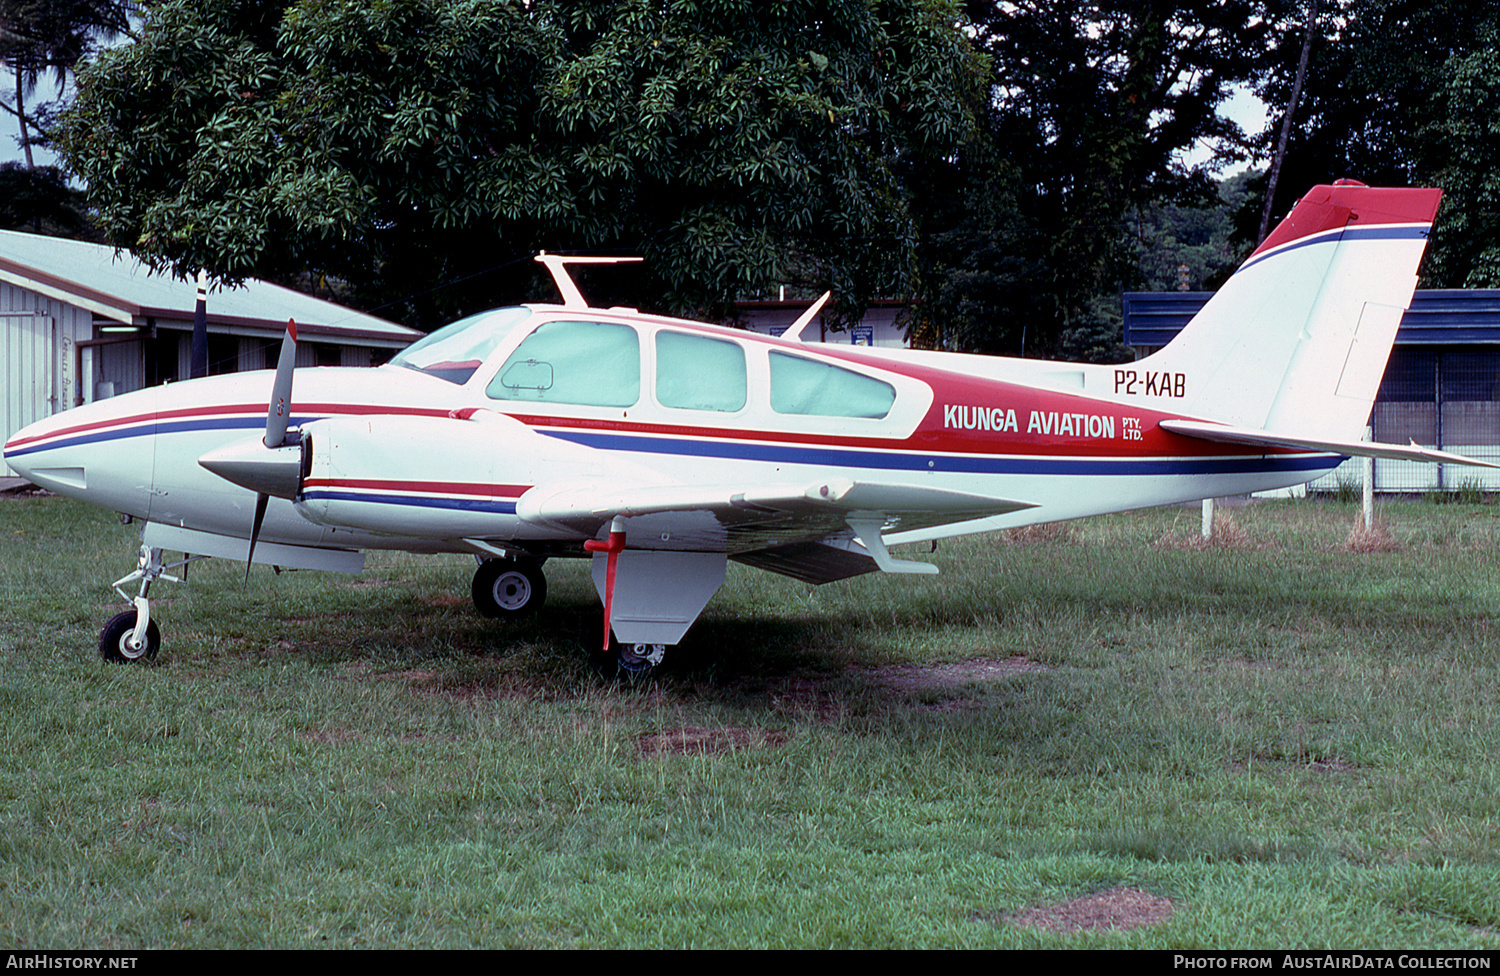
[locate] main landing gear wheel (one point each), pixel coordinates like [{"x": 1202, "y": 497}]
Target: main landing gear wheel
[
  {"x": 115, "y": 645},
  {"x": 507, "y": 589},
  {"x": 627, "y": 662},
  {"x": 639, "y": 658}
]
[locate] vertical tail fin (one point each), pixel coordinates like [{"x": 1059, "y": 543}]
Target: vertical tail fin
[{"x": 1298, "y": 338}]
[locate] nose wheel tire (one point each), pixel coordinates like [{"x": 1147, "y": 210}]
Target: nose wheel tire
[
  {"x": 114, "y": 640},
  {"x": 508, "y": 588}
]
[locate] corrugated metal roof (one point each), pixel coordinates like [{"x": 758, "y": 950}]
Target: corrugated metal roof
[
  {"x": 116, "y": 285},
  {"x": 1437, "y": 316}
]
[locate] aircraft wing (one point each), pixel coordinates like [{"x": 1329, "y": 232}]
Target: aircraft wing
[
  {"x": 782, "y": 527},
  {"x": 1266, "y": 438}
]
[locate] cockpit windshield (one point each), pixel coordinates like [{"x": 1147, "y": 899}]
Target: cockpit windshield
[{"x": 455, "y": 351}]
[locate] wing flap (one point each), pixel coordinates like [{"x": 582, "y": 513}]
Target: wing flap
[{"x": 812, "y": 562}]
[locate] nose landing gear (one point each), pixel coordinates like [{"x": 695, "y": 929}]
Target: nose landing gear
[
  {"x": 119, "y": 645},
  {"x": 132, "y": 637}
]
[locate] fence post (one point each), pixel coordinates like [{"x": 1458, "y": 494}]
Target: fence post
[{"x": 1367, "y": 499}]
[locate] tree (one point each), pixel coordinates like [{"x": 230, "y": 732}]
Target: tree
[
  {"x": 1402, "y": 92},
  {"x": 39, "y": 200},
  {"x": 1466, "y": 246},
  {"x": 410, "y": 146},
  {"x": 1090, "y": 106},
  {"x": 1192, "y": 248},
  {"x": 41, "y": 37}
]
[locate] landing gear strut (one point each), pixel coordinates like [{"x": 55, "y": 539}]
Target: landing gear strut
[
  {"x": 508, "y": 589},
  {"x": 133, "y": 637}
]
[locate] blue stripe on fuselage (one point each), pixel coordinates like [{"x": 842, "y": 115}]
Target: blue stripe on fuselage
[
  {"x": 727, "y": 449},
  {"x": 425, "y": 501},
  {"x": 939, "y": 462}
]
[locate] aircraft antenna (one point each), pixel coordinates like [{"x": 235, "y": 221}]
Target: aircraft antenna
[
  {"x": 557, "y": 264},
  {"x": 795, "y": 330}
]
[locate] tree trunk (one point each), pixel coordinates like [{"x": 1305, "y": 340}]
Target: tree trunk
[{"x": 1286, "y": 122}]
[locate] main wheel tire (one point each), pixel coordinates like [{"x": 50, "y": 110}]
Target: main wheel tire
[
  {"x": 114, "y": 640},
  {"x": 506, "y": 589},
  {"x": 640, "y": 659},
  {"x": 627, "y": 663}
]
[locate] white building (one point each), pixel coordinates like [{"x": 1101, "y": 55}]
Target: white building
[
  {"x": 881, "y": 325},
  {"x": 82, "y": 321}
]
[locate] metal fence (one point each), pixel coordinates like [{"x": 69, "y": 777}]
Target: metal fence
[
  {"x": 1440, "y": 386},
  {"x": 1443, "y": 397}
]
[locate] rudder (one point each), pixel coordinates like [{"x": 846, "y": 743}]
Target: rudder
[{"x": 1298, "y": 338}]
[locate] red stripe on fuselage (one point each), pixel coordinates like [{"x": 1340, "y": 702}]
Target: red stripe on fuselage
[
  {"x": 434, "y": 487},
  {"x": 226, "y": 410}
]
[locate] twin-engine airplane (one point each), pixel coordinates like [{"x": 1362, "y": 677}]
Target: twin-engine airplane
[{"x": 663, "y": 448}]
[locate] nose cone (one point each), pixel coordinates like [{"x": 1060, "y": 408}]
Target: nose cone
[
  {"x": 98, "y": 453},
  {"x": 34, "y": 454}
]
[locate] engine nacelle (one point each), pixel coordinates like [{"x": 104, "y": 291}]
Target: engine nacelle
[{"x": 454, "y": 477}]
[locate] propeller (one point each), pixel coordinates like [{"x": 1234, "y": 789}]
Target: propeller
[{"x": 278, "y": 415}]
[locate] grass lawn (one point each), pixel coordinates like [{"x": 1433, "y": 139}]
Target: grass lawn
[{"x": 1100, "y": 736}]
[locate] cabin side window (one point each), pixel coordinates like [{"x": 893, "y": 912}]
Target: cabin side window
[
  {"x": 696, "y": 372},
  {"x": 806, "y": 386},
  {"x": 596, "y": 364}
]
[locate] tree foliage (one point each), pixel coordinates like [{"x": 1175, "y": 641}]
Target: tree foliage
[
  {"x": 411, "y": 144},
  {"x": 38, "y": 200},
  {"x": 1090, "y": 106},
  {"x": 1404, "y": 92},
  {"x": 49, "y": 38}
]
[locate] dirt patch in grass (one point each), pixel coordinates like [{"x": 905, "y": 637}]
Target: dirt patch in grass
[
  {"x": 803, "y": 697},
  {"x": 1118, "y": 909},
  {"x": 1327, "y": 766},
  {"x": 692, "y": 740},
  {"x": 447, "y": 600},
  {"x": 463, "y": 687},
  {"x": 331, "y": 737},
  {"x": 947, "y": 677}
]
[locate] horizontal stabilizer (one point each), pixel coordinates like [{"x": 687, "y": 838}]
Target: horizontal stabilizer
[{"x": 1265, "y": 438}]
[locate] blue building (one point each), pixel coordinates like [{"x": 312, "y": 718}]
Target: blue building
[{"x": 1441, "y": 385}]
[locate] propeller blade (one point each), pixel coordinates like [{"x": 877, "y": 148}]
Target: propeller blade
[
  {"x": 280, "y": 411},
  {"x": 261, "y": 498},
  {"x": 612, "y": 549}
]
